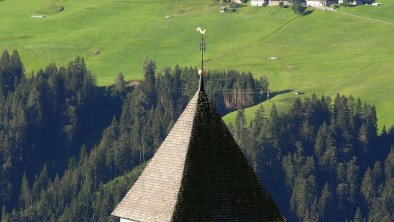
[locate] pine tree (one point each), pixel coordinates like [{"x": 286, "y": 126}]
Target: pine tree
[
  {"x": 353, "y": 179},
  {"x": 377, "y": 174},
  {"x": 368, "y": 188},
  {"x": 297, "y": 7},
  {"x": 273, "y": 126},
  {"x": 288, "y": 169},
  {"x": 364, "y": 140},
  {"x": 6, "y": 80},
  {"x": 314, "y": 212},
  {"x": 120, "y": 83},
  {"x": 304, "y": 190},
  {"x": 321, "y": 141},
  {"x": 387, "y": 198},
  {"x": 149, "y": 84},
  {"x": 389, "y": 165},
  {"x": 17, "y": 67},
  {"x": 342, "y": 196},
  {"x": 297, "y": 113},
  {"x": 41, "y": 182},
  {"x": 326, "y": 202},
  {"x": 329, "y": 160},
  {"x": 240, "y": 122},
  {"x": 306, "y": 136},
  {"x": 177, "y": 85},
  {"x": 25, "y": 196},
  {"x": 358, "y": 216},
  {"x": 4, "y": 215}
]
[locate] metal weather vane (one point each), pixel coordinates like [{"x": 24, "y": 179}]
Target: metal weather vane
[{"x": 203, "y": 48}]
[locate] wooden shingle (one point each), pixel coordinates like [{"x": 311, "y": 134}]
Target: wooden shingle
[{"x": 198, "y": 174}]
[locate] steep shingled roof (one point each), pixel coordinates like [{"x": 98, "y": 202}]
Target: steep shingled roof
[{"x": 198, "y": 174}]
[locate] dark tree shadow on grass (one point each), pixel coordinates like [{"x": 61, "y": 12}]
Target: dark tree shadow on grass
[
  {"x": 275, "y": 93},
  {"x": 308, "y": 12}
]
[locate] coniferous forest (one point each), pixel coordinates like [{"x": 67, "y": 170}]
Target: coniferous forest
[{"x": 70, "y": 149}]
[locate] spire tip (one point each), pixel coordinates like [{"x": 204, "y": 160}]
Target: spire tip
[{"x": 202, "y": 49}]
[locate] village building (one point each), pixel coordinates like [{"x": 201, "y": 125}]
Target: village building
[
  {"x": 278, "y": 2},
  {"x": 258, "y": 2},
  {"x": 198, "y": 173},
  {"x": 314, "y": 3},
  {"x": 355, "y": 2},
  {"x": 322, "y": 3},
  {"x": 309, "y": 3},
  {"x": 269, "y": 2}
]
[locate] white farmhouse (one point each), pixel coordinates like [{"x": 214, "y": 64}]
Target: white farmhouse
[
  {"x": 257, "y": 2},
  {"x": 321, "y": 3},
  {"x": 355, "y": 2},
  {"x": 315, "y": 3},
  {"x": 277, "y": 2}
]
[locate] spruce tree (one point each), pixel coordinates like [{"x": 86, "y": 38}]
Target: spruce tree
[
  {"x": 6, "y": 80},
  {"x": 17, "y": 67},
  {"x": 149, "y": 84},
  {"x": 120, "y": 83},
  {"x": 326, "y": 202},
  {"x": 358, "y": 216},
  {"x": 25, "y": 196},
  {"x": 297, "y": 7}
]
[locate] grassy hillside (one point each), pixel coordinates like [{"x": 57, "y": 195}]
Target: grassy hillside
[
  {"x": 323, "y": 53},
  {"x": 115, "y": 36},
  {"x": 328, "y": 53},
  {"x": 383, "y": 12}
]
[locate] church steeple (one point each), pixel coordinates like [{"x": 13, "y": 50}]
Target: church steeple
[
  {"x": 198, "y": 173},
  {"x": 203, "y": 47}
]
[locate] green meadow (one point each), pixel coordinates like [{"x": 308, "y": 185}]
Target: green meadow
[{"x": 322, "y": 53}]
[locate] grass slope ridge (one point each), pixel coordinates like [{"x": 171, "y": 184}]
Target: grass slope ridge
[{"x": 324, "y": 53}]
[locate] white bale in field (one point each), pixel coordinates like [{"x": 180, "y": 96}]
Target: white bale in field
[{"x": 37, "y": 16}]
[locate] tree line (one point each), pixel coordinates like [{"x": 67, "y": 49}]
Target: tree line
[
  {"x": 322, "y": 160},
  {"x": 63, "y": 138},
  {"x": 70, "y": 150}
]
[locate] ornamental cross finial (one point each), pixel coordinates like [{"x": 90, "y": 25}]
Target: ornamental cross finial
[{"x": 203, "y": 47}]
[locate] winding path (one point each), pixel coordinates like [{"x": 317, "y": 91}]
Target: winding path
[{"x": 367, "y": 18}]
